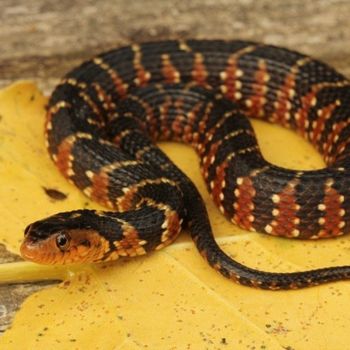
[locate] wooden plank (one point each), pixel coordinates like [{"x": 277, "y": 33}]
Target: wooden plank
[
  {"x": 42, "y": 39},
  {"x": 13, "y": 295}
]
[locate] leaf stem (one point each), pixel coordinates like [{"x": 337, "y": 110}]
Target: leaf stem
[{"x": 24, "y": 271}]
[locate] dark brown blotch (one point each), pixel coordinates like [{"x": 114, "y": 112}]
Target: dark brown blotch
[{"x": 55, "y": 194}]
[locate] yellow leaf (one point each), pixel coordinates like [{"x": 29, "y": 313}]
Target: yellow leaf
[{"x": 170, "y": 299}]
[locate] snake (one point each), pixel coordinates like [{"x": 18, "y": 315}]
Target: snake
[{"x": 105, "y": 117}]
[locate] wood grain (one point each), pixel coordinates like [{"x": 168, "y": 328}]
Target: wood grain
[{"x": 43, "y": 39}]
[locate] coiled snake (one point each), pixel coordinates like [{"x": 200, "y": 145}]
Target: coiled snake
[{"x": 104, "y": 118}]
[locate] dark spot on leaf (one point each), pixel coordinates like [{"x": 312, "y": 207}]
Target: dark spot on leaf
[
  {"x": 55, "y": 194},
  {"x": 66, "y": 283},
  {"x": 223, "y": 341}
]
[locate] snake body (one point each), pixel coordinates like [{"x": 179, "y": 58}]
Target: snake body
[{"x": 105, "y": 116}]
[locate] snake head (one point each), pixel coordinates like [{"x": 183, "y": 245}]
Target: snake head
[{"x": 64, "y": 238}]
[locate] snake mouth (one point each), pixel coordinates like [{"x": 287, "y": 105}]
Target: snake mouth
[
  {"x": 32, "y": 246},
  {"x": 36, "y": 250},
  {"x": 29, "y": 250}
]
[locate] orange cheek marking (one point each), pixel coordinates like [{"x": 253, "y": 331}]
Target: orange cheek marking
[
  {"x": 43, "y": 252},
  {"x": 98, "y": 246},
  {"x": 131, "y": 245}
]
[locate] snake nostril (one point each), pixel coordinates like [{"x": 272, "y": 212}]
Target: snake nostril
[{"x": 27, "y": 230}]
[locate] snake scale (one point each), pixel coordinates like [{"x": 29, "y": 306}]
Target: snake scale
[{"x": 105, "y": 116}]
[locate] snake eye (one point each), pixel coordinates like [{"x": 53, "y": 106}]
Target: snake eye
[{"x": 62, "y": 241}]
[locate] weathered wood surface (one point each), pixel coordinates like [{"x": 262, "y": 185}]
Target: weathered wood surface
[{"x": 42, "y": 39}]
